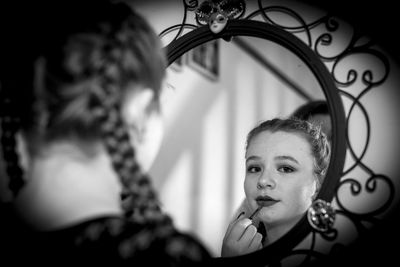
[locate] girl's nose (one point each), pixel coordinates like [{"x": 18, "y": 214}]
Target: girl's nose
[{"x": 266, "y": 180}]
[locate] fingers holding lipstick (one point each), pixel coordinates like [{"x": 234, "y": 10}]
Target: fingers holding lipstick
[
  {"x": 242, "y": 238},
  {"x": 256, "y": 243},
  {"x": 248, "y": 234},
  {"x": 243, "y": 230}
]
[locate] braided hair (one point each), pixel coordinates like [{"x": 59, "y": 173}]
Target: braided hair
[{"x": 70, "y": 82}]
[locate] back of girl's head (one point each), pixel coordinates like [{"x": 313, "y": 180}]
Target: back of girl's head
[
  {"x": 67, "y": 52},
  {"x": 308, "y": 110},
  {"x": 317, "y": 140},
  {"x": 65, "y": 69}
]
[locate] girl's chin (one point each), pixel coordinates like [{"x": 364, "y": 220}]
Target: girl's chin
[{"x": 267, "y": 215}]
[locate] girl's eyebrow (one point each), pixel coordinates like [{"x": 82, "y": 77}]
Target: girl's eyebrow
[
  {"x": 284, "y": 157},
  {"x": 252, "y": 158}
]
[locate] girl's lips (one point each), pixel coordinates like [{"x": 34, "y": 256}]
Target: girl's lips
[{"x": 265, "y": 201}]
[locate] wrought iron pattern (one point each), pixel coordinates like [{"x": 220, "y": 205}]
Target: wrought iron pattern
[{"x": 324, "y": 35}]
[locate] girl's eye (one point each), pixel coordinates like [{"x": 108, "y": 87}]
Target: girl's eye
[
  {"x": 286, "y": 169},
  {"x": 253, "y": 169}
]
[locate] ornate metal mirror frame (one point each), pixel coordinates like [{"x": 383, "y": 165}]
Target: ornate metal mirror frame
[{"x": 306, "y": 237}]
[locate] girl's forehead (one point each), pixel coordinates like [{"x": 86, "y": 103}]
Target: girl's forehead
[
  {"x": 278, "y": 142},
  {"x": 269, "y": 137}
]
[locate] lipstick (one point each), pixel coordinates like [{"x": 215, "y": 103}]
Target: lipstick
[{"x": 255, "y": 212}]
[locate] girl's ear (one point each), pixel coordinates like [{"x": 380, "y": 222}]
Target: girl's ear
[
  {"x": 22, "y": 150},
  {"x": 314, "y": 196},
  {"x": 316, "y": 191}
]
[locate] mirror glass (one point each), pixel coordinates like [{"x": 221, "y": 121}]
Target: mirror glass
[{"x": 216, "y": 93}]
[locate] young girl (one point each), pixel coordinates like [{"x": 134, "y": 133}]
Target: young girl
[
  {"x": 286, "y": 162},
  {"x": 80, "y": 125}
]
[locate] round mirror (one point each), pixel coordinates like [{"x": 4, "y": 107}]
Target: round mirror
[
  {"x": 236, "y": 84},
  {"x": 339, "y": 56},
  {"x": 220, "y": 86}
]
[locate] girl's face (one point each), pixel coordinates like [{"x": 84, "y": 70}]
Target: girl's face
[
  {"x": 279, "y": 177},
  {"x": 144, "y": 125}
]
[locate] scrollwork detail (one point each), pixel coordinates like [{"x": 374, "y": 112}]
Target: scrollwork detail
[
  {"x": 370, "y": 188},
  {"x": 191, "y": 5},
  {"x": 374, "y": 68}
]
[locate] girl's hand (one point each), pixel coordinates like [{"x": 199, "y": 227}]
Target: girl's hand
[{"x": 241, "y": 238}]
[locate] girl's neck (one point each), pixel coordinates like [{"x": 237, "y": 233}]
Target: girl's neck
[
  {"x": 65, "y": 186},
  {"x": 278, "y": 230}
]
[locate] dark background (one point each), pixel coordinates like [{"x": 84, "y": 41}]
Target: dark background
[{"x": 381, "y": 21}]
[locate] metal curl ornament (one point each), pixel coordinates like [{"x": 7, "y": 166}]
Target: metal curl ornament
[
  {"x": 216, "y": 13},
  {"x": 321, "y": 216}
]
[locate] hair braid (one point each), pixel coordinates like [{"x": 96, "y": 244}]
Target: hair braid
[
  {"x": 139, "y": 198},
  {"x": 81, "y": 80}
]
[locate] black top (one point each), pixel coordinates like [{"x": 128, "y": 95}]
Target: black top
[{"x": 111, "y": 241}]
